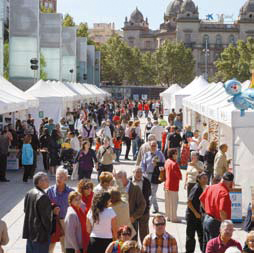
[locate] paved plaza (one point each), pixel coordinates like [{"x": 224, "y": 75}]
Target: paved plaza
[{"x": 11, "y": 209}]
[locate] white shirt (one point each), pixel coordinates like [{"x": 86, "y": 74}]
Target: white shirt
[
  {"x": 75, "y": 144},
  {"x": 194, "y": 145},
  {"x": 203, "y": 147},
  {"x": 98, "y": 188},
  {"x": 157, "y": 131},
  {"x": 103, "y": 229}
]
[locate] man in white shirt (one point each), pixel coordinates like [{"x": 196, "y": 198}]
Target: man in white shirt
[
  {"x": 195, "y": 141},
  {"x": 157, "y": 130}
]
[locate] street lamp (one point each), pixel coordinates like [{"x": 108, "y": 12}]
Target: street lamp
[{"x": 206, "y": 51}]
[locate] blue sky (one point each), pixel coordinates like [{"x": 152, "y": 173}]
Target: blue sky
[{"x": 100, "y": 11}]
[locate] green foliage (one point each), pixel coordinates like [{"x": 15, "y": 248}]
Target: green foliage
[
  {"x": 6, "y": 61},
  {"x": 43, "y": 64},
  {"x": 236, "y": 62},
  {"x": 172, "y": 63},
  {"x": 82, "y": 30},
  {"x": 68, "y": 20},
  {"x": 46, "y": 10}
]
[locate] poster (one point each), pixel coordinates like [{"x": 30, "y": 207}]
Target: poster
[
  {"x": 135, "y": 97},
  {"x": 144, "y": 97},
  {"x": 236, "y": 199}
]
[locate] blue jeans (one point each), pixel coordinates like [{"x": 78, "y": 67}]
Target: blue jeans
[
  {"x": 37, "y": 247},
  {"x": 135, "y": 144},
  {"x": 159, "y": 144},
  {"x": 118, "y": 153}
]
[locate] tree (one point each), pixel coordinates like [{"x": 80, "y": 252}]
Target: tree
[
  {"x": 68, "y": 20},
  {"x": 82, "y": 31},
  {"x": 6, "y": 61},
  {"x": 43, "y": 64},
  {"x": 46, "y": 10},
  {"x": 236, "y": 61},
  {"x": 174, "y": 63}
]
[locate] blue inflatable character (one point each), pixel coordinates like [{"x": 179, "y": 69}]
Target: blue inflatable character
[{"x": 243, "y": 100}]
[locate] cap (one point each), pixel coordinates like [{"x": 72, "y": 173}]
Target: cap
[{"x": 228, "y": 176}]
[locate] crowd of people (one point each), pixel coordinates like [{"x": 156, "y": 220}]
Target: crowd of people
[{"x": 114, "y": 215}]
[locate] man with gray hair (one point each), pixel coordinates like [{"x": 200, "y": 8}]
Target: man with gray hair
[
  {"x": 145, "y": 148},
  {"x": 37, "y": 222},
  {"x": 137, "y": 203},
  {"x": 58, "y": 195},
  {"x": 224, "y": 241}
]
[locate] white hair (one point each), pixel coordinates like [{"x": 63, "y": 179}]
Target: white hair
[
  {"x": 122, "y": 173},
  {"x": 232, "y": 250},
  {"x": 226, "y": 223},
  {"x": 62, "y": 170},
  {"x": 136, "y": 168}
]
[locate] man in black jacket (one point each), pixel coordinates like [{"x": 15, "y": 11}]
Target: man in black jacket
[
  {"x": 142, "y": 224},
  {"x": 37, "y": 222}
]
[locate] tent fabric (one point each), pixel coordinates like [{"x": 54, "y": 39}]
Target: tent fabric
[
  {"x": 5, "y": 85},
  {"x": 81, "y": 90},
  {"x": 198, "y": 84},
  {"x": 92, "y": 88}
]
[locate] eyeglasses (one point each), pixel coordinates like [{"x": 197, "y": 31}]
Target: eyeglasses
[
  {"x": 126, "y": 233},
  {"x": 159, "y": 224},
  {"x": 86, "y": 188}
]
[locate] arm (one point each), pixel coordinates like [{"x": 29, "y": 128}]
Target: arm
[
  {"x": 191, "y": 207},
  {"x": 71, "y": 230},
  {"x": 5, "y": 238},
  {"x": 44, "y": 212},
  {"x": 110, "y": 248},
  {"x": 88, "y": 226},
  {"x": 114, "y": 228}
]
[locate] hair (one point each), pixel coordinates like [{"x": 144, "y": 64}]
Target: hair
[
  {"x": 122, "y": 229},
  {"x": 233, "y": 250},
  {"x": 62, "y": 170},
  {"x": 27, "y": 139},
  {"x": 196, "y": 132},
  {"x": 158, "y": 216},
  {"x": 225, "y": 223},
  {"x": 130, "y": 123},
  {"x": 106, "y": 138},
  {"x": 151, "y": 137},
  {"x": 172, "y": 152},
  {"x": 216, "y": 179},
  {"x": 205, "y": 135},
  {"x": 38, "y": 176},
  {"x": 136, "y": 168},
  {"x": 98, "y": 139},
  {"x": 128, "y": 245},
  {"x": 105, "y": 177},
  {"x": 84, "y": 183},
  {"x": 212, "y": 146},
  {"x": 136, "y": 123},
  {"x": 100, "y": 202},
  {"x": 121, "y": 173},
  {"x": 222, "y": 146},
  {"x": 194, "y": 153},
  {"x": 72, "y": 196},
  {"x": 250, "y": 234},
  {"x": 84, "y": 143},
  {"x": 115, "y": 195}
]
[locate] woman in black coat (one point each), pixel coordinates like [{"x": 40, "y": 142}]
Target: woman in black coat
[
  {"x": 44, "y": 145},
  {"x": 209, "y": 160}
]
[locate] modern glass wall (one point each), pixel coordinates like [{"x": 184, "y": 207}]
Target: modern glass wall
[
  {"x": 90, "y": 64},
  {"x": 82, "y": 60}
]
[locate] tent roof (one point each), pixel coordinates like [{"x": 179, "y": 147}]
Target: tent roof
[
  {"x": 5, "y": 85},
  {"x": 171, "y": 90},
  {"x": 80, "y": 89},
  {"x": 94, "y": 90}
]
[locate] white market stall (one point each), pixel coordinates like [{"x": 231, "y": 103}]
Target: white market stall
[
  {"x": 99, "y": 95},
  {"x": 52, "y": 104},
  {"x": 234, "y": 130},
  {"x": 166, "y": 97},
  {"x": 198, "y": 84}
]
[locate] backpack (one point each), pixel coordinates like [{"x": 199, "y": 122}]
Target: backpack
[{"x": 133, "y": 134}]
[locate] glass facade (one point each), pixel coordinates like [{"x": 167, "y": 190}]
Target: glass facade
[
  {"x": 81, "y": 60},
  {"x": 97, "y": 79},
  {"x": 91, "y": 64}
]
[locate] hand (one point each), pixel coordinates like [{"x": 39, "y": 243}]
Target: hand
[
  {"x": 198, "y": 215},
  {"x": 56, "y": 210},
  {"x": 132, "y": 220}
]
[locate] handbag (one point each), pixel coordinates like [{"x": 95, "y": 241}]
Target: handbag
[
  {"x": 162, "y": 176},
  {"x": 74, "y": 175}
]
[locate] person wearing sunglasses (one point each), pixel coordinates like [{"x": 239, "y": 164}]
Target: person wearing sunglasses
[
  {"x": 159, "y": 240},
  {"x": 123, "y": 235}
]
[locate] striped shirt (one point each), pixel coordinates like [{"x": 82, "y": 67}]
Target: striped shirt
[{"x": 159, "y": 244}]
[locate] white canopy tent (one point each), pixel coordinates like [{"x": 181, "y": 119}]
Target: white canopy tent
[
  {"x": 52, "y": 104},
  {"x": 166, "y": 97},
  {"x": 99, "y": 95},
  {"x": 198, "y": 84},
  {"x": 234, "y": 130}
]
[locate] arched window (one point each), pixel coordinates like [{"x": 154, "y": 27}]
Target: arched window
[
  {"x": 231, "y": 39},
  {"x": 206, "y": 40},
  {"x": 218, "y": 39}
]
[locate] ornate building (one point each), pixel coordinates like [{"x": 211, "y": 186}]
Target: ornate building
[
  {"x": 206, "y": 38},
  {"x": 51, "y": 4}
]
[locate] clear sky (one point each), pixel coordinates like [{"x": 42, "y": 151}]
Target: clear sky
[{"x": 106, "y": 11}]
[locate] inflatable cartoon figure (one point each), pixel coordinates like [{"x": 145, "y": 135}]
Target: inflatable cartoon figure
[{"x": 243, "y": 100}]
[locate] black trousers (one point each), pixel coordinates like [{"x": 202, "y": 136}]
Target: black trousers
[
  {"x": 45, "y": 157},
  {"x": 211, "y": 229},
  {"x": 98, "y": 245},
  {"x": 141, "y": 226},
  {"x": 72, "y": 250},
  {"x": 193, "y": 225},
  {"x": 28, "y": 171},
  {"x": 128, "y": 146},
  {"x": 3, "y": 166}
]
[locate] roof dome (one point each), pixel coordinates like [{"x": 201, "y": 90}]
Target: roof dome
[
  {"x": 188, "y": 6},
  {"x": 174, "y": 8},
  {"x": 137, "y": 16},
  {"x": 248, "y": 6}
]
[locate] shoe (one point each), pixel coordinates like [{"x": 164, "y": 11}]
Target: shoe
[
  {"x": 127, "y": 159},
  {"x": 155, "y": 211},
  {"x": 4, "y": 180}
]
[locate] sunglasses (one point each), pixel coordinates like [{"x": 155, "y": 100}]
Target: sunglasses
[
  {"x": 86, "y": 188},
  {"x": 159, "y": 224},
  {"x": 126, "y": 233}
]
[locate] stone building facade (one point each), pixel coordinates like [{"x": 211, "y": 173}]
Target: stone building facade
[
  {"x": 182, "y": 23},
  {"x": 51, "y": 4}
]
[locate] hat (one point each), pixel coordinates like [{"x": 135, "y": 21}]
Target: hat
[{"x": 228, "y": 176}]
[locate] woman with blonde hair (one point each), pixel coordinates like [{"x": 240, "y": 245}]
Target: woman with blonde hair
[
  {"x": 85, "y": 188},
  {"x": 249, "y": 245},
  {"x": 106, "y": 180}
]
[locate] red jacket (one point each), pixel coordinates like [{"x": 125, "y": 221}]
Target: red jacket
[
  {"x": 146, "y": 107},
  {"x": 173, "y": 175},
  {"x": 140, "y": 107}
]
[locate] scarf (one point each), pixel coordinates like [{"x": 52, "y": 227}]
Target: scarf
[
  {"x": 88, "y": 201},
  {"x": 82, "y": 219}
]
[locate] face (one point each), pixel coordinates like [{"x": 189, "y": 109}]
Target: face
[
  {"x": 194, "y": 158},
  {"x": 87, "y": 145},
  {"x": 203, "y": 180},
  {"x": 138, "y": 174},
  {"x": 225, "y": 148},
  {"x": 44, "y": 183},
  {"x": 125, "y": 236},
  {"x": 153, "y": 146},
  {"x": 61, "y": 179},
  {"x": 76, "y": 201},
  {"x": 251, "y": 242},
  {"x": 106, "y": 185},
  {"x": 227, "y": 232},
  {"x": 159, "y": 226},
  {"x": 175, "y": 156},
  {"x": 87, "y": 190}
]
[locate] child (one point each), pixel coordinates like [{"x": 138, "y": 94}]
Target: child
[
  {"x": 98, "y": 144},
  {"x": 117, "y": 147}
]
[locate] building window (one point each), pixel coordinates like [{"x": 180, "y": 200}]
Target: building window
[
  {"x": 206, "y": 40},
  {"x": 148, "y": 44},
  {"x": 187, "y": 38},
  {"x": 218, "y": 43},
  {"x": 231, "y": 39}
]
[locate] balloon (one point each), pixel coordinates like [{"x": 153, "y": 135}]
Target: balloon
[{"x": 243, "y": 100}]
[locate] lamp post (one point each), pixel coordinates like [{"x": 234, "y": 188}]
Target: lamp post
[{"x": 206, "y": 51}]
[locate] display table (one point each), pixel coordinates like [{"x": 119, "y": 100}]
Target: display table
[{"x": 236, "y": 199}]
